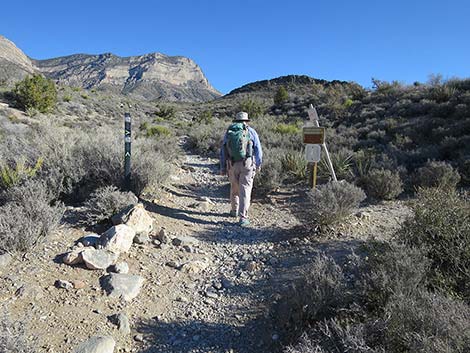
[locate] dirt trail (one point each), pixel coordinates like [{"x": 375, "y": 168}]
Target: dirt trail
[{"x": 211, "y": 294}]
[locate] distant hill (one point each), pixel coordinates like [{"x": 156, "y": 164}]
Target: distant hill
[
  {"x": 150, "y": 76},
  {"x": 292, "y": 82}
]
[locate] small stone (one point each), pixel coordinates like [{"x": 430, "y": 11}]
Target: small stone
[
  {"x": 227, "y": 283},
  {"x": 101, "y": 259},
  {"x": 90, "y": 240},
  {"x": 78, "y": 284},
  {"x": 194, "y": 267},
  {"x": 118, "y": 238},
  {"x": 211, "y": 294},
  {"x": 217, "y": 285},
  {"x": 156, "y": 242},
  {"x": 163, "y": 236},
  {"x": 275, "y": 337},
  {"x": 122, "y": 322},
  {"x": 122, "y": 285},
  {"x": 184, "y": 240},
  {"x": 142, "y": 238},
  {"x": 5, "y": 260},
  {"x": 73, "y": 257},
  {"x": 63, "y": 284},
  {"x": 98, "y": 344},
  {"x": 120, "y": 267},
  {"x": 172, "y": 264},
  {"x": 139, "y": 337}
]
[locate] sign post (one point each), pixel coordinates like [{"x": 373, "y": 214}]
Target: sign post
[
  {"x": 313, "y": 156},
  {"x": 127, "y": 151},
  {"x": 312, "y": 113}
]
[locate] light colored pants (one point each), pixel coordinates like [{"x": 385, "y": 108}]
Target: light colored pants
[{"x": 241, "y": 175}]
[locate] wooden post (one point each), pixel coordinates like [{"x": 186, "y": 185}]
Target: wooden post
[
  {"x": 314, "y": 175},
  {"x": 127, "y": 151}
]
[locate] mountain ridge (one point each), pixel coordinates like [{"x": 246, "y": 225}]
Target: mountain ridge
[{"x": 149, "y": 76}]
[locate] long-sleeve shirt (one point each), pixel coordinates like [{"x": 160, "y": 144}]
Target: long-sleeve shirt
[{"x": 257, "y": 150}]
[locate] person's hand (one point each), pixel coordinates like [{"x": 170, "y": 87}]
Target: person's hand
[
  {"x": 258, "y": 169},
  {"x": 223, "y": 172}
]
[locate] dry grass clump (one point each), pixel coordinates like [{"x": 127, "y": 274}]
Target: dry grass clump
[{"x": 13, "y": 336}]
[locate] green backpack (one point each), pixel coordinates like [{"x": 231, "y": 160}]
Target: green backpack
[{"x": 238, "y": 142}]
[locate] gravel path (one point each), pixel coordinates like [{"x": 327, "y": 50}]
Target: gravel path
[{"x": 207, "y": 291}]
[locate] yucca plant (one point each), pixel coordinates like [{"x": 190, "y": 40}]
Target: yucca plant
[
  {"x": 342, "y": 165},
  {"x": 295, "y": 165}
]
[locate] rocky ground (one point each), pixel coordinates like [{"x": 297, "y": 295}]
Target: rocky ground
[{"x": 208, "y": 283}]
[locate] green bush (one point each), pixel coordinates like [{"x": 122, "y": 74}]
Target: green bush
[
  {"x": 437, "y": 174},
  {"x": 157, "y": 130},
  {"x": 382, "y": 184},
  {"x": 285, "y": 129},
  {"x": 332, "y": 202},
  {"x": 36, "y": 92},
  {"x": 281, "y": 95},
  {"x": 105, "y": 202},
  {"x": 441, "y": 226},
  {"x": 10, "y": 176},
  {"x": 253, "y": 107}
]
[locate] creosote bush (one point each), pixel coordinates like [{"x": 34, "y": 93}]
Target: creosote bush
[
  {"x": 105, "y": 202},
  {"x": 36, "y": 92},
  {"x": 437, "y": 174},
  {"x": 332, "y": 202},
  {"x": 382, "y": 184}
]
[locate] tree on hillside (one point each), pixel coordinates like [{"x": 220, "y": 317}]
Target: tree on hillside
[
  {"x": 36, "y": 92},
  {"x": 281, "y": 95}
]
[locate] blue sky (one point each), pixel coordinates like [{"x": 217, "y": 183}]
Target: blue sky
[{"x": 237, "y": 42}]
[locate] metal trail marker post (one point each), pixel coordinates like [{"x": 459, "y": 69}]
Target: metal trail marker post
[{"x": 127, "y": 151}]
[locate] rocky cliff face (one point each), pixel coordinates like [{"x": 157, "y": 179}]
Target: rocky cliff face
[{"x": 151, "y": 76}]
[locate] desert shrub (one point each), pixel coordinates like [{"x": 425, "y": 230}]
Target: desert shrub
[
  {"x": 426, "y": 323},
  {"x": 165, "y": 112},
  {"x": 441, "y": 226},
  {"x": 388, "y": 269},
  {"x": 106, "y": 202},
  {"x": 12, "y": 175},
  {"x": 285, "y": 129},
  {"x": 317, "y": 295},
  {"x": 36, "y": 92},
  {"x": 381, "y": 184},
  {"x": 281, "y": 95},
  {"x": 204, "y": 117},
  {"x": 157, "y": 130},
  {"x": 206, "y": 139},
  {"x": 253, "y": 107},
  {"x": 149, "y": 174},
  {"x": 332, "y": 202},
  {"x": 436, "y": 174},
  {"x": 27, "y": 215},
  {"x": 270, "y": 176},
  {"x": 13, "y": 335}
]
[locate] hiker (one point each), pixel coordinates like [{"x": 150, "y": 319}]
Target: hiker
[{"x": 241, "y": 157}]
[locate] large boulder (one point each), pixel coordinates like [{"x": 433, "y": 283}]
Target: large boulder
[
  {"x": 97, "y": 344},
  {"x": 135, "y": 217},
  {"x": 98, "y": 259},
  {"x": 122, "y": 285},
  {"x": 118, "y": 238}
]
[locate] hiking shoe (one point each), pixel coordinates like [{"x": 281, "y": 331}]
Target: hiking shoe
[
  {"x": 244, "y": 222},
  {"x": 233, "y": 213}
]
